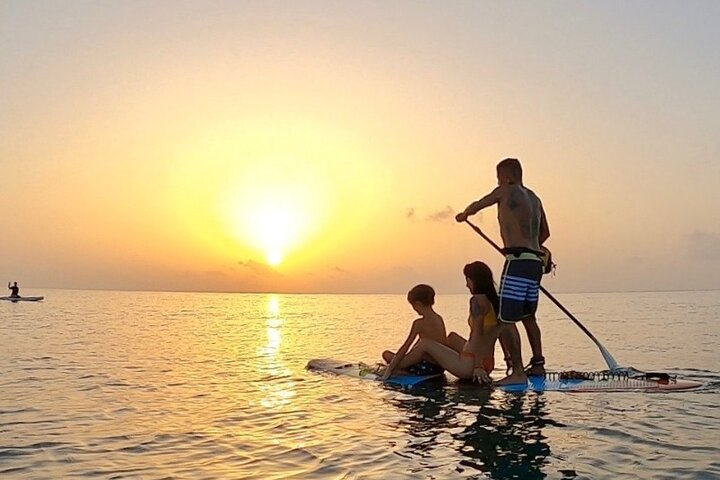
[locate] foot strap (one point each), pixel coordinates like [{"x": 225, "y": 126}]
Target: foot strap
[{"x": 535, "y": 362}]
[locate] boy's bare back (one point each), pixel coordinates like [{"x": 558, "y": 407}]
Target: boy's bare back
[{"x": 431, "y": 326}]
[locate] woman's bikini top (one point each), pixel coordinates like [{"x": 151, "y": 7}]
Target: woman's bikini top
[{"x": 489, "y": 320}]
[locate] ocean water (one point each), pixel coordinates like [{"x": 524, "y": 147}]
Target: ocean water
[{"x": 186, "y": 385}]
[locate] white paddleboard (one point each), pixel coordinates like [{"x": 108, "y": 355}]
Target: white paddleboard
[
  {"x": 365, "y": 372},
  {"x": 574, "y": 382},
  {"x": 579, "y": 382},
  {"x": 22, "y": 299}
]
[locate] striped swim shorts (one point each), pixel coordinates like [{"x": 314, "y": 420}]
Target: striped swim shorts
[{"x": 519, "y": 285}]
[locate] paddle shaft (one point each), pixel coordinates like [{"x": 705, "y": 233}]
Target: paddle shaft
[{"x": 612, "y": 364}]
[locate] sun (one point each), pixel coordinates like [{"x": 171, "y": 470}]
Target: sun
[
  {"x": 274, "y": 226},
  {"x": 272, "y": 220},
  {"x": 273, "y": 207},
  {"x": 274, "y": 257}
]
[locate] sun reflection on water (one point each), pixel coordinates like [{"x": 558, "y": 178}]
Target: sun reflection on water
[
  {"x": 277, "y": 387},
  {"x": 273, "y": 306}
]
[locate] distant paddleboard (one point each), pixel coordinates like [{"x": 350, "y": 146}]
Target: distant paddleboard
[
  {"x": 22, "y": 299},
  {"x": 365, "y": 372}
]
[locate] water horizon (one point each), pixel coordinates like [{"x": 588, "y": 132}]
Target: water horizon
[{"x": 177, "y": 385}]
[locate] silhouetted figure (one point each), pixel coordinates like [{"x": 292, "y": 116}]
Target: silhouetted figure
[
  {"x": 523, "y": 228},
  {"x": 14, "y": 289}
]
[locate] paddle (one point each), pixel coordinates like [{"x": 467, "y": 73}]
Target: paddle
[{"x": 612, "y": 364}]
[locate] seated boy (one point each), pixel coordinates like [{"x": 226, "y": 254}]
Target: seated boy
[{"x": 429, "y": 326}]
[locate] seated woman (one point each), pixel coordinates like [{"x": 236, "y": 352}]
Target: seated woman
[{"x": 472, "y": 359}]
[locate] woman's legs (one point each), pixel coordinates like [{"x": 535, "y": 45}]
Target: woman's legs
[
  {"x": 446, "y": 357},
  {"x": 412, "y": 357}
]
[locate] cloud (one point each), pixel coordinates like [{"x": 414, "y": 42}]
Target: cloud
[
  {"x": 703, "y": 245},
  {"x": 259, "y": 269},
  {"x": 340, "y": 270},
  {"x": 446, "y": 213},
  {"x": 443, "y": 215}
]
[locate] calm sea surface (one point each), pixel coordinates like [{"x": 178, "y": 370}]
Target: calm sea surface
[{"x": 177, "y": 385}]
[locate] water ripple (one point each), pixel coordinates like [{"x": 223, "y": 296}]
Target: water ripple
[{"x": 135, "y": 385}]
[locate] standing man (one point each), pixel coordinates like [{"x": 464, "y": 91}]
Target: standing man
[
  {"x": 524, "y": 229},
  {"x": 14, "y": 290}
]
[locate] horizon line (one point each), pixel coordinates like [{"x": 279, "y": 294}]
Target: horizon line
[{"x": 275, "y": 292}]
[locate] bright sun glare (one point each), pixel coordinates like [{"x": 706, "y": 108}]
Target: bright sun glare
[
  {"x": 274, "y": 227},
  {"x": 273, "y": 206},
  {"x": 270, "y": 224}
]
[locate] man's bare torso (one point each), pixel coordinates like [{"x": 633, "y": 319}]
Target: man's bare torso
[{"x": 519, "y": 215}]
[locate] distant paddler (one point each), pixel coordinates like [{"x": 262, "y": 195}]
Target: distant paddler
[
  {"x": 14, "y": 290},
  {"x": 524, "y": 229}
]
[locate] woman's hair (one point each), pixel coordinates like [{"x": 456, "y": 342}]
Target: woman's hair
[
  {"x": 482, "y": 282},
  {"x": 423, "y": 294}
]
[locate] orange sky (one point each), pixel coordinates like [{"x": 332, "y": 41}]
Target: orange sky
[{"x": 192, "y": 145}]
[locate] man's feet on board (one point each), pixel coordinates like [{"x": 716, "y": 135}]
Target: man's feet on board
[
  {"x": 536, "y": 367},
  {"x": 515, "y": 378}
]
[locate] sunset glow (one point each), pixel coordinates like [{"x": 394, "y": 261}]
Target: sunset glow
[{"x": 235, "y": 149}]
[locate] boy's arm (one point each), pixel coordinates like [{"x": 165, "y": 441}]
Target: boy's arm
[
  {"x": 490, "y": 199},
  {"x": 400, "y": 354}
]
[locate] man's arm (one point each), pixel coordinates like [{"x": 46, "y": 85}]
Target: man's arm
[
  {"x": 544, "y": 233},
  {"x": 490, "y": 199}
]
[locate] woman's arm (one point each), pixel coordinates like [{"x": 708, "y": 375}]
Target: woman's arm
[{"x": 479, "y": 307}]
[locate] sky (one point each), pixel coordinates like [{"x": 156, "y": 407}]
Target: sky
[{"x": 325, "y": 146}]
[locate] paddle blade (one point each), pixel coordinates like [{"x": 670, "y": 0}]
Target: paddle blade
[{"x": 611, "y": 362}]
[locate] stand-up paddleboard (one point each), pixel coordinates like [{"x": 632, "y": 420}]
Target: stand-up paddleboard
[
  {"x": 605, "y": 381},
  {"x": 365, "y": 372},
  {"x": 574, "y": 382},
  {"x": 22, "y": 299}
]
